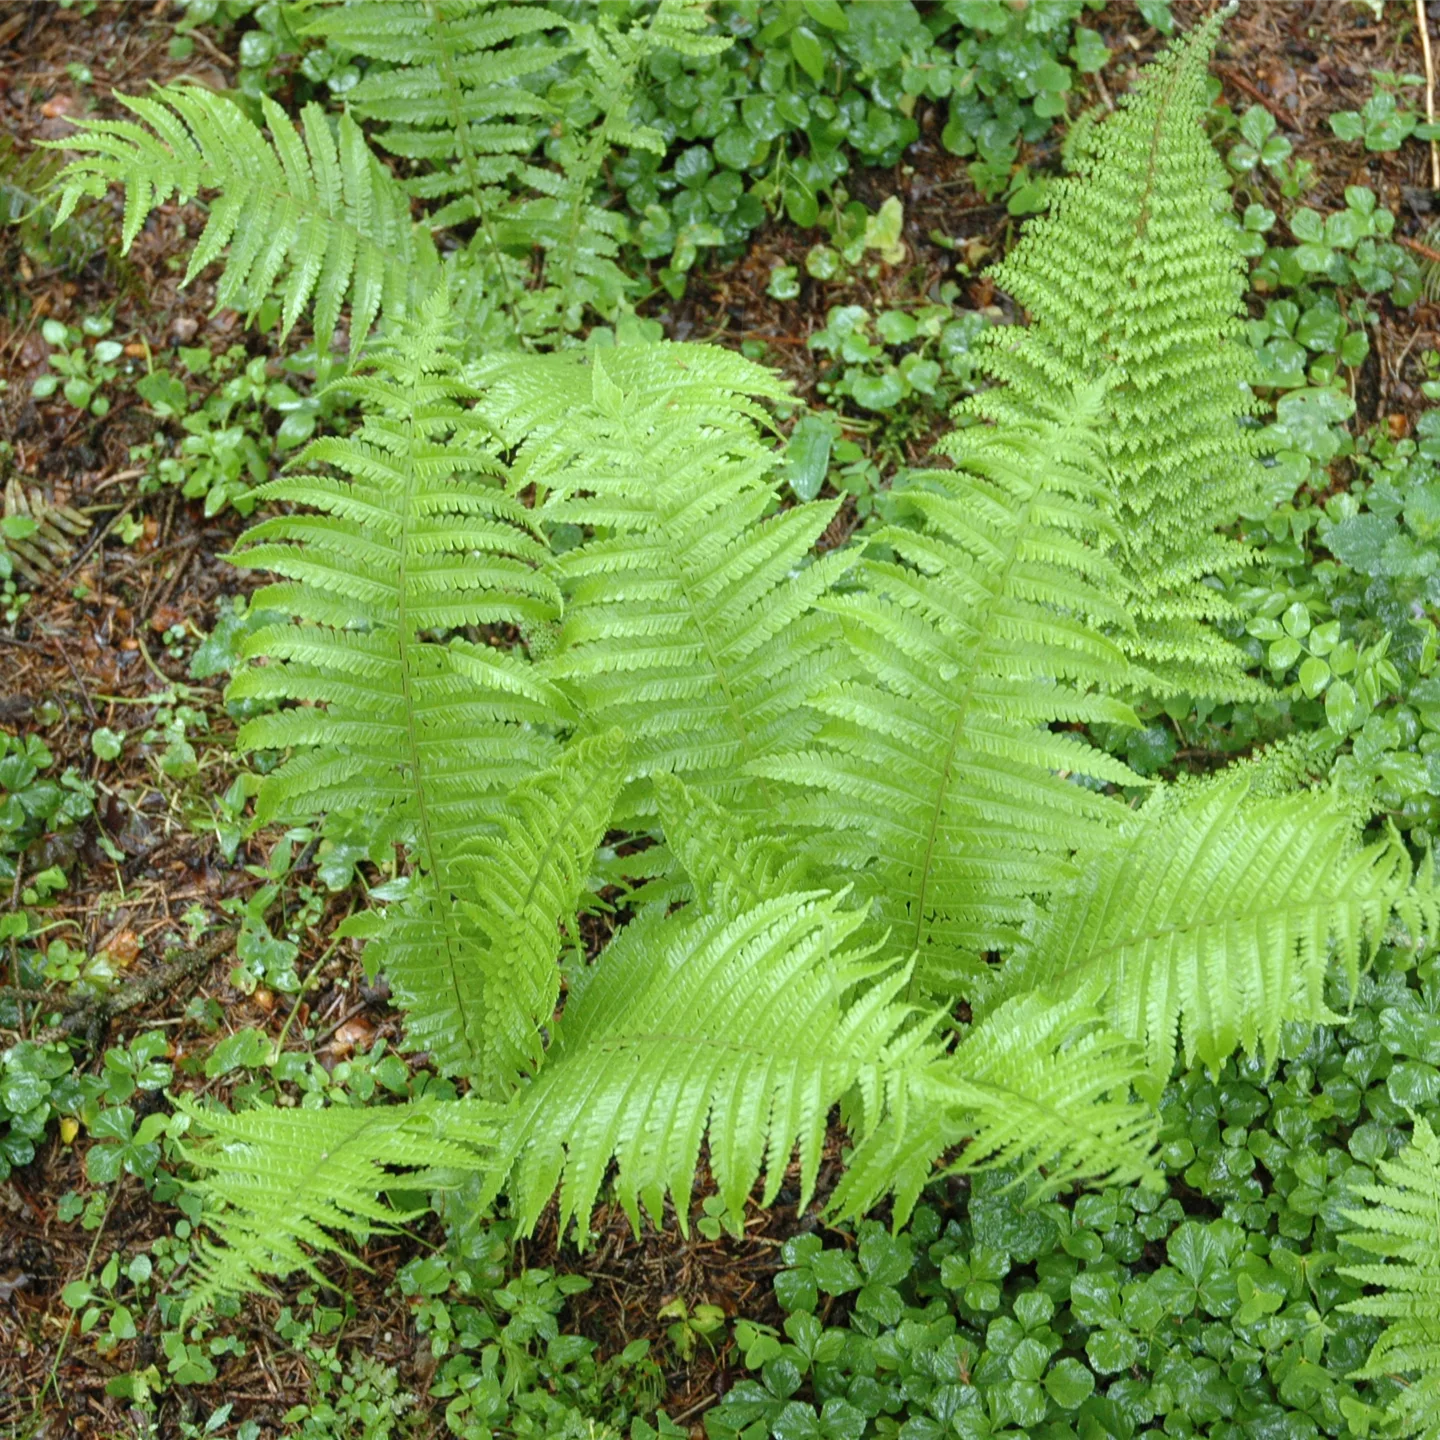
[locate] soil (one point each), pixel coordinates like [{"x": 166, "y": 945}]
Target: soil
[{"x": 89, "y": 649}]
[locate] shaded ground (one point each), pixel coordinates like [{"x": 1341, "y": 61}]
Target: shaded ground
[{"x": 90, "y": 650}]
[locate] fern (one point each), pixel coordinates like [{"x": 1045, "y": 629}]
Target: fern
[
  {"x": 420, "y": 735},
  {"x": 1134, "y": 275},
  {"x": 468, "y": 89},
  {"x": 726, "y": 866},
  {"x": 54, "y": 531},
  {"x": 935, "y": 764},
  {"x": 1399, "y": 1226},
  {"x": 279, "y": 1184},
  {"x": 688, "y": 620},
  {"x": 1034, "y": 1086},
  {"x": 321, "y": 210},
  {"x": 1214, "y": 919},
  {"x": 421, "y": 538},
  {"x": 863, "y": 776}
]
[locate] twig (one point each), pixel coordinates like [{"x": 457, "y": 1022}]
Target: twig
[
  {"x": 1241, "y": 83},
  {"x": 1424, "y": 251},
  {"x": 1421, "y": 21},
  {"x": 89, "y": 1016}
]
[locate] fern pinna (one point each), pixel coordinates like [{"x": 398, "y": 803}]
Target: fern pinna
[{"x": 536, "y": 600}]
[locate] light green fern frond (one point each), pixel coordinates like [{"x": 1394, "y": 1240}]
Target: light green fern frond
[
  {"x": 420, "y": 735},
  {"x": 420, "y": 539},
  {"x": 1135, "y": 275},
  {"x": 450, "y": 84},
  {"x": 941, "y": 765},
  {"x": 692, "y": 1021},
  {"x": 321, "y": 210},
  {"x": 1213, "y": 920},
  {"x": 1400, "y": 1225},
  {"x": 747, "y": 1028},
  {"x": 280, "y": 1186},
  {"x": 689, "y": 619},
  {"x": 472, "y": 960}
]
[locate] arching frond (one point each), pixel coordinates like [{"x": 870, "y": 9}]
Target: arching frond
[
  {"x": 282, "y": 1185},
  {"x": 1213, "y": 920},
  {"x": 726, "y": 864},
  {"x": 1134, "y": 275},
  {"x": 1033, "y": 1085},
  {"x": 939, "y": 763},
  {"x": 747, "y": 1028},
  {"x": 420, "y": 735},
  {"x": 317, "y": 208}
]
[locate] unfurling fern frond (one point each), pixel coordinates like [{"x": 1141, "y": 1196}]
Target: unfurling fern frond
[
  {"x": 1400, "y": 1225},
  {"x": 1134, "y": 275},
  {"x": 1213, "y": 920},
  {"x": 472, "y": 960},
  {"x": 938, "y": 764},
  {"x": 280, "y": 1186},
  {"x": 322, "y": 211},
  {"x": 689, "y": 619},
  {"x": 748, "y": 1028}
]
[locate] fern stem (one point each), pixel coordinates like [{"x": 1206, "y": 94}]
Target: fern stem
[
  {"x": 1000, "y": 586},
  {"x": 403, "y": 641}
]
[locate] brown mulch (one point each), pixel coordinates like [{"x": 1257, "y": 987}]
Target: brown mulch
[{"x": 89, "y": 651}]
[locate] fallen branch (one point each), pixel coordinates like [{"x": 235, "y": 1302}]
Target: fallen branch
[{"x": 90, "y": 1016}]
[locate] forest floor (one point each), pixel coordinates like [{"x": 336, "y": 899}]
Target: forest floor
[{"x": 108, "y": 636}]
